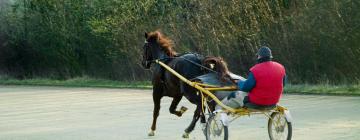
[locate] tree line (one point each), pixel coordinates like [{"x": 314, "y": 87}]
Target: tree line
[{"x": 317, "y": 41}]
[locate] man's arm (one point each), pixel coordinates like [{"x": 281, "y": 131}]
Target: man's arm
[
  {"x": 247, "y": 85},
  {"x": 284, "y": 80}
]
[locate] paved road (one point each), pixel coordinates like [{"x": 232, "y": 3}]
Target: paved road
[{"x": 55, "y": 113}]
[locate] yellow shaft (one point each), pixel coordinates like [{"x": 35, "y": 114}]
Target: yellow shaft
[
  {"x": 193, "y": 84},
  {"x": 230, "y": 88}
]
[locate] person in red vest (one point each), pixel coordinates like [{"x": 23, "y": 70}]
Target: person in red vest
[{"x": 264, "y": 85}]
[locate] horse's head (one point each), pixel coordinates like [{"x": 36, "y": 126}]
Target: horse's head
[
  {"x": 156, "y": 47},
  {"x": 219, "y": 65}
]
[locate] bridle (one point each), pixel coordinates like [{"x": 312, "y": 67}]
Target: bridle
[
  {"x": 145, "y": 57},
  {"x": 147, "y": 46}
]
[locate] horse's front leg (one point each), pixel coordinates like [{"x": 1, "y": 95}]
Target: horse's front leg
[
  {"x": 156, "y": 99},
  {"x": 191, "y": 127},
  {"x": 175, "y": 102}
]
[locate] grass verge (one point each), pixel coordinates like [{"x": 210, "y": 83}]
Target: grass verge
[
  {"x": 78, "y": 82},
  {"x": 322, "y": 89}
]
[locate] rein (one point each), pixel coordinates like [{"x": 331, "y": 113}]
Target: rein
[
  {"x": 164, "y": 58},
  {"x": 192, "y": 62}
]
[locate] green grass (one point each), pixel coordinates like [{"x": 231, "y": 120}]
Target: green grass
[
  {"x": 77, "y": 82},
  {"x": 321, "y": 89},
  {"x": 327, "y": 89}
]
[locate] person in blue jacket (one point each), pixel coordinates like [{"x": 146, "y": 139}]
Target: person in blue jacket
[{"x": 265, "y": 89}]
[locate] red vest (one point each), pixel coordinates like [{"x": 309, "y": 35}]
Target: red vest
[{"x": 269, "y": 83}]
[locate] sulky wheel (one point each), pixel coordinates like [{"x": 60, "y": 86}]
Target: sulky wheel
[
  {"x": 215, "y": 129},
  {"x": 279, "y": 127}
]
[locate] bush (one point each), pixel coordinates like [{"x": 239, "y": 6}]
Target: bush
[{"x": 315, "y": 40}]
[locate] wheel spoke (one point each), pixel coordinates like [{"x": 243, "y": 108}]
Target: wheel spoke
[
  {"x": 278, "y": 127},
  {"x": 215, "y": 129}
]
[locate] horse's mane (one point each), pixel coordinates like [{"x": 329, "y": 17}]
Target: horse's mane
[
  {"x": 219, "y": 65},
  {"x": 166, "y": 43}
]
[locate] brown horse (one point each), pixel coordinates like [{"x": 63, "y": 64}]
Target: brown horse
[{"x": 157, "y": 46}]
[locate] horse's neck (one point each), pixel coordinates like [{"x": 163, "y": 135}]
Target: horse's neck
[
  {"x": 162, "y": 55},
  {"x": 158, "y": 69}
]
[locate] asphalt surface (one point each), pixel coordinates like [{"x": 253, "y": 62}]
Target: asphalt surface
[{"x": 57, "y": 113}]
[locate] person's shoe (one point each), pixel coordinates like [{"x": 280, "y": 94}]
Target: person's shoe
[
  {"x": 217, "y": 111},
  {"x": 224, "y": 119}
]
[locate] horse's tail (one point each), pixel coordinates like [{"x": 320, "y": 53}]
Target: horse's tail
[{"x": 219, "y": 65}]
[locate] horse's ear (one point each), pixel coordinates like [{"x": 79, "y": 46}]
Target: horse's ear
[
  {"x": 158, "y": 34},
  {"x": 146, "y": 35}
]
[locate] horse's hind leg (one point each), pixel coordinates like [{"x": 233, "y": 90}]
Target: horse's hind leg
[
  {"x": 175, "y": 102},
  {"x": 156, "y": 99},
  {"x": 193, "y": 122}
]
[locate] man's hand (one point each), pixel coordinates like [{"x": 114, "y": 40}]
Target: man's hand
[{"x": 232, "y": 95}]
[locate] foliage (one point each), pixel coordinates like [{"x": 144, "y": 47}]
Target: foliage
[{"x": 316, "y": 40}]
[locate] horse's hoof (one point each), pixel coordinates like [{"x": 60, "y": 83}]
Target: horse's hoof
[
  {"x": 183, "y": 109},
  {"x": 151, "y": 133},
  {"x": 185, "y": 135},
  {"x": 179, "y": 114}
]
